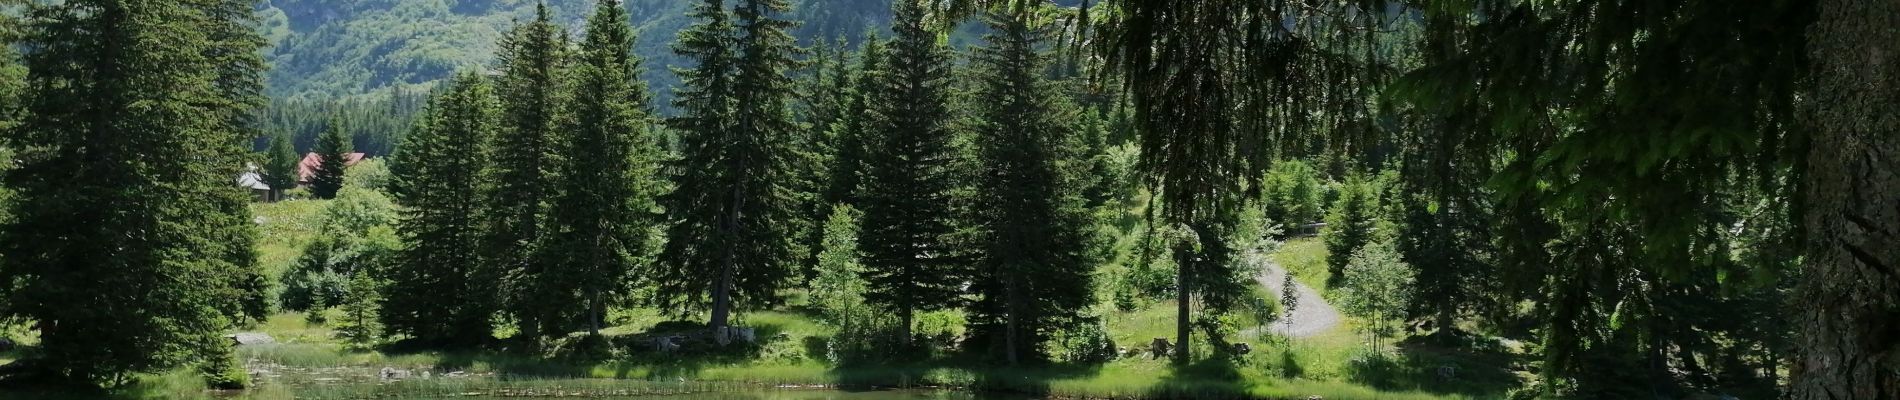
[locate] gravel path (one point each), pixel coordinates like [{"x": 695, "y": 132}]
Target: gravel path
[{"x": 1313, "y": 316}]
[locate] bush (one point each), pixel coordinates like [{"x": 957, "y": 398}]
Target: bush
[
  {"x": 355, "y": 233},
  {"x": 1378, "y": 288},
  {"x": 369, "y": 174},
  {"x": 864, "y": 336},
  {"x": 225, "y": 373},
  {"x": 1087, "y": 343}
]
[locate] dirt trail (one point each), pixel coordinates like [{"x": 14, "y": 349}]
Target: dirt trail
[{"x": 1313, "y": 316}]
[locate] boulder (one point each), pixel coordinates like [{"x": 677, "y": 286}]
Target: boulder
[
  {"x": 727, "y": 335},
  {"x": 1447, "y": 372},
  {"x": 394, "y": 374},
  {"x": 250, "y": 339},
  {"x": 666, "y": 344}
]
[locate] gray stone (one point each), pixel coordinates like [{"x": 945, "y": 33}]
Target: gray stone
[
  {"x": 666, "y": 344},
  {"x": 393, "y": 374},
  {"x": 250, "y": 339}
]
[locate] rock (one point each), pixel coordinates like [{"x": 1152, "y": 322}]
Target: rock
[
  {"x": 666, "y": 344},
  {"x": 394, "y": 374},
  {"x": 727, "y": 335},
  {"x": 745, "y": 335},
  {"x": 250, "y": 339}
]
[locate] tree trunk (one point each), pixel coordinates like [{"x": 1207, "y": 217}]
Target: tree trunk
[
  {"x": 1014, "y": 312},
  {"x": 594, "y": 313},
  {"x": 722, "y": 296},
  {"x": 1850, "y": 347},
  {"x": 729, "y": 223},
  {"x": 1183, "y": 298},
  {"x": 904, "y": 330}
]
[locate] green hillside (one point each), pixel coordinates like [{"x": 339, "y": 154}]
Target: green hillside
[{"x": 334, "y": 48}]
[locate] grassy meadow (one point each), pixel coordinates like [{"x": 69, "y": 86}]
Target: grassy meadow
[{"x": 310, "y": 361}]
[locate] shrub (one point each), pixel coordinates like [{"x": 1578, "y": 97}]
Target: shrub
[
  {"x": 1378, "y": 288},
  {"x": 864, "y": 336},
  {"x": 1087, "y": 343},
  {"x": 225, "y": 373}
]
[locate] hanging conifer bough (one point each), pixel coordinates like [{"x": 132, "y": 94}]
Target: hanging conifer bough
[
  {"x": 1201, "y": 75},
  {"x": 127, "y": 243}
]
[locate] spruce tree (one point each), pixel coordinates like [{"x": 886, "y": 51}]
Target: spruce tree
[
  {"x": 436, "y": 294},
  {"x": 531, "y": 61},
  {"x": 909, "y": 175},
  {"x": 601, "y": 225},
  {"x": 848, "y": 131},
  {"x": 280, "y": 168},
  {"x": 128, "y": 262},
  {"x": 823, "y": 93},
  {"x": 235, "y": 51},
  {"x": 12, "y": 76},
  {"x": 734, "y": 213},
  {"x": 1349, "y": 226},
  {"x": 1035, "y": 266},
  {"x": 333, "y": 147}
]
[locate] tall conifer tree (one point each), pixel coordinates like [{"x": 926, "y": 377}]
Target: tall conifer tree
[
  {"x": 333, "y": 147},
  {"x": 531, "y": 61},
  {"x": 849, "y": 130},
  {"x": 12, "y": 75},
  {"x": 129, "y": 262},
  {"x": 436, "y": 293},
  {"x": 601, "y": 225},
  {"x": 280, "y": 164},
  {"x": 909, "y": 175},
  {"x": 1035, "y": 266},
  {"x": 734, "y": 213}
]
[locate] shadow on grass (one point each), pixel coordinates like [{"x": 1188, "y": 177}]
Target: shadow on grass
[
  {"x": 1210, "y": 378},
  {"x": 962, "y": 373},
  {"x": 1472, "y": 369}
]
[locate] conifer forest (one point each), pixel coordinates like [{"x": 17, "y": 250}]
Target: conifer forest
[{"x": 950, "y": 199}]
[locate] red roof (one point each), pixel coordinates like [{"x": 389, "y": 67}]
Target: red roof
[{"x": 307, "y": 169}]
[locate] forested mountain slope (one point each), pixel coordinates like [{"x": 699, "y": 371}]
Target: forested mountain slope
[{"x": 335, "y": 48}]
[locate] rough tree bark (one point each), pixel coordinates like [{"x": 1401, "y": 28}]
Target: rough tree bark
[{"x": 1850, "y": 346}]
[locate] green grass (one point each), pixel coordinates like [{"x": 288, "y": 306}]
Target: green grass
[
  {"x": 287, "y": 226},
  {"x": 1306, "y": 259},
  {"x": 1333, "y": 365},
  {"x": 1320, "y": 366}
]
